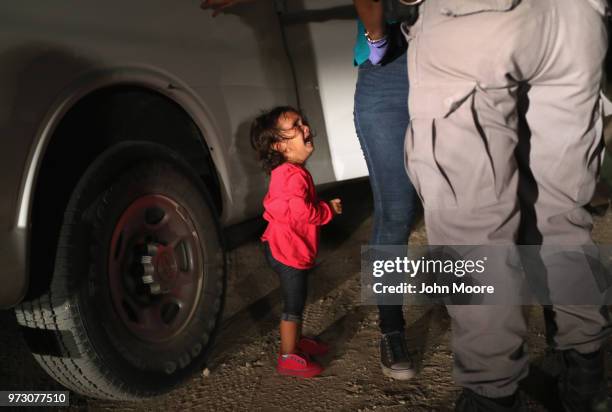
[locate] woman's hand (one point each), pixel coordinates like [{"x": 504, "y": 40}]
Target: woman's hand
[
  {"x": 336, "y": 205},
  {"x": 218, "y": 6},
  {"x": 378, "y": 49}
]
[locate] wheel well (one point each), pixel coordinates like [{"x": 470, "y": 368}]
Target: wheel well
[{"x": 97, "y": 122}]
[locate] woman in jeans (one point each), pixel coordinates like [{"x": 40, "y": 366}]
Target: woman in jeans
[{"x": 381, "y": 120}]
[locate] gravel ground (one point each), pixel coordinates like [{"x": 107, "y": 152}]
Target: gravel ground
[{"x": 241, "y": 376}]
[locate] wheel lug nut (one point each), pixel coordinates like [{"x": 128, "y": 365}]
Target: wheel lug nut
[
  {"x": 148, "y": 269},
  {"x": 155, "y": 288}
]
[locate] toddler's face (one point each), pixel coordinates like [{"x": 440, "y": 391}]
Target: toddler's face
[{"x": 297, "y": 145}]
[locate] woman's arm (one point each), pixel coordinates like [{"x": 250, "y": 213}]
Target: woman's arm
[{"x": 371, "y": 14}]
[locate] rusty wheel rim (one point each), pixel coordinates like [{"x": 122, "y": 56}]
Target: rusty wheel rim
[{"x": 155, "y": 268}]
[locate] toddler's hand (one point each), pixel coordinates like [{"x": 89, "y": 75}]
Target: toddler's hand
[{"x": 336, "y": 205}]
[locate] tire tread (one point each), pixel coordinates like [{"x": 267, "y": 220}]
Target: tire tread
[{"x": 78, "y": 366}]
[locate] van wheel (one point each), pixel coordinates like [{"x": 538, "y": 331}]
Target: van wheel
[{"x": 138, "y": 283}]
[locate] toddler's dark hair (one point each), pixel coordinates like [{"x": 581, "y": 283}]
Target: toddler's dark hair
[{"x": 265, "y": 132}]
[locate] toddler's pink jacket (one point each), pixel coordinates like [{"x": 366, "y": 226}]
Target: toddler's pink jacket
[{"x": 294, "y": 214}]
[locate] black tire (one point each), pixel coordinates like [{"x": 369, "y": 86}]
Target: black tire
[{"x": 102, "y": 329}]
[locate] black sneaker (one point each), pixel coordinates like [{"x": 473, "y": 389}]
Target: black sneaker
[
  {"x": 394, "y": 358},
  {"x": 470, "y": 401},
  {"x": 582, "y": 384}
]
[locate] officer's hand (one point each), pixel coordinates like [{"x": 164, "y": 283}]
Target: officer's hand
[{"x": 218, "y": 6}]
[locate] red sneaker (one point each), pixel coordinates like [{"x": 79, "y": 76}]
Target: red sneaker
[
  {"x": 297, "y": 365},
  {"x": 312, "y": 346}
]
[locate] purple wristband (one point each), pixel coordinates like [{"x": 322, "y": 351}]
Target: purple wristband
[{"x": 378, "y": 48}]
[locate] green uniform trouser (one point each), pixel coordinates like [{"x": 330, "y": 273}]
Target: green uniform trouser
[{"x": 470, "y": 62}]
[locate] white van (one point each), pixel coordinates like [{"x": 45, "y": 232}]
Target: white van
[{"x": 125, "y": 154}]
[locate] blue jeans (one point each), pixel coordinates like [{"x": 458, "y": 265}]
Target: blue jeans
[{"x": 381, "y": 120}]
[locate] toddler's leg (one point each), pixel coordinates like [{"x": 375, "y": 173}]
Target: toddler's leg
[
  {"x": 294, "y": 288},
  {"x": 293, "y": 284}
]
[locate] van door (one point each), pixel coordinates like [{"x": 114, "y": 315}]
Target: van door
[{"x": 320, "y": 37}]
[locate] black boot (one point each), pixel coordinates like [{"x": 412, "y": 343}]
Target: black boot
[
  {"x": 470, "y": 401},
  {"x": 582, "y": 384}
]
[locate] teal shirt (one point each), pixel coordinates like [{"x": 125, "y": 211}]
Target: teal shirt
[{"x": 361, "y": 51}]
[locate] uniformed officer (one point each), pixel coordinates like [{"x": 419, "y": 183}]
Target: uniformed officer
[{"x": 481, "y": 71}]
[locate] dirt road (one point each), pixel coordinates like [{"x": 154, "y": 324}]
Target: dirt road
[{"x": 240, "y": 374}]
